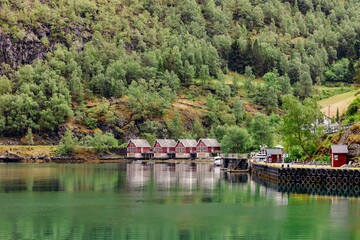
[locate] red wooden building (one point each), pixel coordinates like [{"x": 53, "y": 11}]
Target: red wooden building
[
  {"x": 274, "y": 155},
  {"x": 207, "y": 147},
  {"x": 139, "y": 149},
  {"x": 185, "y": 148},
  {"x": 338, "y": 155},
  {"x": 164, "y": 148}
]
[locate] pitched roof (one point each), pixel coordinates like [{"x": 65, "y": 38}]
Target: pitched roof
[
  {"x": 166, "y": 142},
  {"x": 188, "y": 142},
  {"x": 274, "y": 151},
  {"x": 140, "y": 142},
  {"x": 210, "y": 142},
  {"x": 339, "y": 149}
]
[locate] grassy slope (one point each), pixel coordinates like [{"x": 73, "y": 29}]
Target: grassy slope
[
  {"x": 340, "y": 101},
  {"x": 40, "y": 150}
]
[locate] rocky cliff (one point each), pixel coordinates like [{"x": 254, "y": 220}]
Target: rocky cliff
[
  {"x": 15, "y": 52},
  {"x": 351, "y": 138}
]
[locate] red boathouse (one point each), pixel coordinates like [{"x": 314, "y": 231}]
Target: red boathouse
[
  {"x": 207, "y": 147},
  {"x": 164, "y": 148},
  {"x": 139, "y": 149},
  {"x": 185, "y": 148},
  {"x": 338, "y": 155},
  {"x": 274, "y": 155}
]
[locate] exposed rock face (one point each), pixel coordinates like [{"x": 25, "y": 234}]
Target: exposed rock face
[
  {"x": 351, "y": 138},
  {"x": 354, "y": 150},
  {"x": 15, "y": 52}
]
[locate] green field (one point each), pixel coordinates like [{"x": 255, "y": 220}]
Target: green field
[{"x": 341, "y": 101}]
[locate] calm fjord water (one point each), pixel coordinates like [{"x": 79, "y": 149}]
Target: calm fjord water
[{"x": 161, "y": 201}]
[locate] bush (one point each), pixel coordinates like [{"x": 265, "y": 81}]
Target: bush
[
  {"x": 102, "y": 142},
  {"x": 67, "y": 144}
]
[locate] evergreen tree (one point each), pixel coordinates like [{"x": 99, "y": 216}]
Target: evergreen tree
[
  {"x": 29, "y": 138},
  {"x": 235, "y": 62},
  {"x": 176, "y": 126},
  {"x": 198, "y": 129},
  {"x": 67, "y": 145}
]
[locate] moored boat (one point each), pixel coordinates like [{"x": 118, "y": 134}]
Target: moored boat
[{"x": 218, "y": 161}]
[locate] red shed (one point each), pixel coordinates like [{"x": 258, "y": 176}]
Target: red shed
[
  {"x": 338, "y": 155},
  {"x": 185, "y": 148},
  {"x": 164, "y": 148},
  {"x": 138, "y": 148},
  {"x": 207, "y": 147},
  {"x": 274, "y": 155}
]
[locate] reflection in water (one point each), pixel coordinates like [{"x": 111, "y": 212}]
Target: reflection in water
[
  {"x": 170, "y": 176},
  {"x": 162, "y": 201}
]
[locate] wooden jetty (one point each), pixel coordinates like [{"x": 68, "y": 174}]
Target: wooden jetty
[{"x": 235, "y": 163}]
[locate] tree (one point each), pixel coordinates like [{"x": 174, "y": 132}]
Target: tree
[
  {"x": 249, "y": 73},
  {"x": 29, "y": 138},
  {"x": 341, "y": 71},
  {"x": 5, "y": 85},
  {"x": 284, "y": 83},
  {"x": 299, "y": 125},
  {"x": 175, "y": 126},
  {"x": 235, "y": 140},
  {"x": 101, "y": 142},
  {"x": 250, "y": 77},
  {"x": 236, "y": 62},
  {"x": 238, "y": 110},
  {"x": 67, "y": 144},
  {"x": 198, "y": 129},
  {"x": 261, "y": 130},
  {"x": 304, "y": 86},
  {"x": 267, "y": 96},
  {"x": 356, "y": 78},
  {"x": 218, "y": 132},
  {"x": 353, "y": 111},
  {"x": 189, "y": 73}
]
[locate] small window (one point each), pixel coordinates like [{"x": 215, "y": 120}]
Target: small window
[
  {"x": 132, "y": 149},
  {"x": 336, "y": 157},
  {"x": 180, "y": 149}
]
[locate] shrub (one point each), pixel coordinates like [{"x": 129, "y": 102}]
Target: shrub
[
  {"x": 102, "y": 142},
  {"x": 67, "y": 144}
]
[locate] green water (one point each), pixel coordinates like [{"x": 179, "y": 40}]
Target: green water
[{"x": 161, "y": 201}]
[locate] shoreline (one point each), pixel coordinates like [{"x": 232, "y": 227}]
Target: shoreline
[
  {"x": 47, "y": 154},
  {"x": 70, "y": 160}
]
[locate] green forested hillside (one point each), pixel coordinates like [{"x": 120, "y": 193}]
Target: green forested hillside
[{"x": 166, "y": 68}]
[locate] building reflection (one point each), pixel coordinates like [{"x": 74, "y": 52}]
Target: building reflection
[
  {"x": 189, "y": 178},
  {"x": 167, "y": 176}
]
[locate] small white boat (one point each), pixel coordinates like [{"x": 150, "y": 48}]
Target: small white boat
[
  {"x": 260, "y": 157},
  {"x": 218, "y": 161}
]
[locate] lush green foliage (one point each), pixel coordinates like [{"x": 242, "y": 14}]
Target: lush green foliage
[
  {"x": 353, "y": 111},
  {"x": 299, "y": 128},
  {"x": 67, "y": 144},
  {"x": 101, "y": 142},
  {"x": 235, "y": 140},
  {"x": 261, "y": 130},
  {"x": 29, "y": 137},
  {"x": 150, "y": 53}
]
